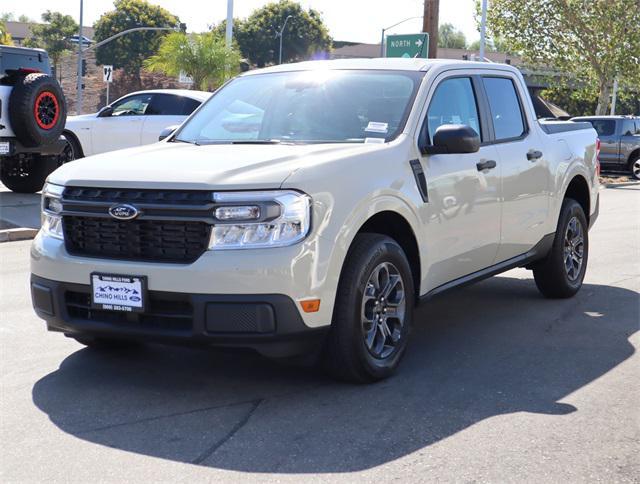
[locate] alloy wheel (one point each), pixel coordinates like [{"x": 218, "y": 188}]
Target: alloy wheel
[
  {"x": 573, "y": 249},
  {"x": 383, "y": 310}
]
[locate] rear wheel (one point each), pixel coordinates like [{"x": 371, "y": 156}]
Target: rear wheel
[
  {"x": 561, "y": 273},
  {"x": 373, "y": 312}
]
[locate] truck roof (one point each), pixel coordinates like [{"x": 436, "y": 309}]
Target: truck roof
[
  {"x": 603, "y": 116},
  {"x": 382, "y": 63}
]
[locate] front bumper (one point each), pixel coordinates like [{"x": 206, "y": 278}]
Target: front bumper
[{"x": 268, "y": 323}]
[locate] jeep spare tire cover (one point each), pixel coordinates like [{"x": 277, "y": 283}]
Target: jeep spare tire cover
[{"x": 37, "y": 110}]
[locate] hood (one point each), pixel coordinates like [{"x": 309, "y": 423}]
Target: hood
[{"x": 206, "y": 167}]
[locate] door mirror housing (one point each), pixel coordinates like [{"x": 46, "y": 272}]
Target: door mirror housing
[
  {"x": 168, "y": 131},
  {"x": 105, "y": 112},
  {"x": 451, "y": 139}
]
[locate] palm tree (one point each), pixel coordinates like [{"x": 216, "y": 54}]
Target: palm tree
[{"x": 203, "y": 57}]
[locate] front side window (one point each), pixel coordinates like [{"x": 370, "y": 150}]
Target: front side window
[
  {"x": 343, "y": 106},
  {"x": 454, "y": 102},
  {"x": 132, "y": 106},
  {"x": 508, "y": 120},
  {"x": 629, "y": 128}
]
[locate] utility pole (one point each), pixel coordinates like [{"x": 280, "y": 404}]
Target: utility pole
[
  {"x": 430, "y": 25},
  {"x": 279, "y": 34},
  {"x": 483, "y": 30},
  {"x": 229, "y": 32},
  {"x": 79, "y": 84},
  {"x": 614, "y": 96}
]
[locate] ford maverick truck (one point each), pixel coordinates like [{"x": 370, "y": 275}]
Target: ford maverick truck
[{"x": 306, "y": 209}]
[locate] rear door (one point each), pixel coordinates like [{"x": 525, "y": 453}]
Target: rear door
[
  {"x": 609, "y": 139},
  {"x": 525, "y": 169},
  {"x": 463, "y": 228},
  {"x": 123, "y": 129},
  {"x": 165, "y": 110}
]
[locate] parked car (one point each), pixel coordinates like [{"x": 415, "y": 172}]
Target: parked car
[
  {"x": 619, "y": 141},
  {"x": 309, "y": 207},
  {"x": 133, "y": 120},
  {"x": 32, "y": 116}
]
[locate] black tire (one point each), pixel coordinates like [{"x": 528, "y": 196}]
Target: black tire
[
  {"x": 553, "y": 278},
  {"x": 348, "y": 354},
  {"x": 105, "y": 343},
  {"x": 37, "y": 110},
  {"x": 634, "y": 167},
  {"x": 27, "y": 175},
  {"x": 72, "y": 150}
]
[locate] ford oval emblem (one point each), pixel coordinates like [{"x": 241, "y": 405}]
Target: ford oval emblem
[{"x": 124, "y": 212}]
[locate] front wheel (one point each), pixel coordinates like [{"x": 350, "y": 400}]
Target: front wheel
[
  {"x": 634, "y": 167},
  {"x": 373, "y": 312},
  {"x": 561, "y": 273}
]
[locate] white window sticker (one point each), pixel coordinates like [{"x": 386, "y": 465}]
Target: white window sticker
[
  {"x": 376, "y": 127},
  {"x": 374, "y": 140}
]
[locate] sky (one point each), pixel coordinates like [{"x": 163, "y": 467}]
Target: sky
[{"x": 352, "y": 20}]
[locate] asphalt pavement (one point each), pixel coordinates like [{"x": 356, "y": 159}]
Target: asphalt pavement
[{"x": 498, "y": 385}]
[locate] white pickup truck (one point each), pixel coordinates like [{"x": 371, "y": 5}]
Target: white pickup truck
[{"x": 308, "y": 208}]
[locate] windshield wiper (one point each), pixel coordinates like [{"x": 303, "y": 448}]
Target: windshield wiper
[
  {"x": 178, "y": 140},
  {"x": 256, "y": 142}
]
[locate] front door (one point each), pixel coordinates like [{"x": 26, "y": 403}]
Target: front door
[
  {"x": 123, "y": 129},
  {"x": 463, "y": 228}
]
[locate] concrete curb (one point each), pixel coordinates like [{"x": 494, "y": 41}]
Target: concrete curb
[{"x": 11, "y": 235}]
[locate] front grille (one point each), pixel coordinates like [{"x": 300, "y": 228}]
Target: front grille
[
  {"x": 139, "y": 240},
  {"x": 166, "y": 312},
  {"x": 130, "y": 195}
]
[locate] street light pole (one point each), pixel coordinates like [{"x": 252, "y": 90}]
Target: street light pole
[
  {"x": 79, "y": 84},
  {"x": 389, "y": 28},
  {"x": 280, "y": 35},
  {"x": 229, "y": 32},
  {"x": 483, "y": 29}
]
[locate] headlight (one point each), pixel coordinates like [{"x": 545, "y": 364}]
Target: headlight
[
  {"x": 248, "y": 220},
  {"x": 51, "y": 208}
]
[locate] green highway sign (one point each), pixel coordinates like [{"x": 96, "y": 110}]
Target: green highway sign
[{"x": 409, "y": 45}]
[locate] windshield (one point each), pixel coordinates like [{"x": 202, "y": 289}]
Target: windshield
[{"x": 306, "y": 107}]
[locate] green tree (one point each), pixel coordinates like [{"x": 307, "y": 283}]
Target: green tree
[
  {"x": 204, "y": 57},
  {"x": 305, "y": 34},
  {"x": 5, "y": 37},
  {"x": 451, "y": 38},
  {"x": 593, "y": 42},
  {"x": 130, "y": 50},
  {"x": 52, "y": 35},
  {"x": 7, "y": 17}
]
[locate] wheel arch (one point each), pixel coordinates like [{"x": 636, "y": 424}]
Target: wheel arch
[
  {"x": 578, "y": 190},
  {"x": 396, "y": 226},
  {"x": 70, "y": 134},
  {"x": 635, "y": 154}
]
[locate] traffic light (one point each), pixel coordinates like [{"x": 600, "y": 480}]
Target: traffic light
[{"x": 83, "y": 71}]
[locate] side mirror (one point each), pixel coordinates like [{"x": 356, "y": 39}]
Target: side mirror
[
  {"x": 168, "y": 131},
  {"x": 105, "y": 112},
  {"x": 453, "y": 138}
]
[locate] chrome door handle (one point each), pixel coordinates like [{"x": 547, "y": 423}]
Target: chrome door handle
[{"x": 533, "y": 155}]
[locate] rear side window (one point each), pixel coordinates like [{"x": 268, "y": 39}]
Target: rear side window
[
  {"x": 604, "y": 127},
  {"x": 166, "y": 105},
  {"x": 506, "y": 112},
  {"x": 629, "y": 128},
  {"x": 190, "y": 106},
  {"x": 454, "y": 102}
]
